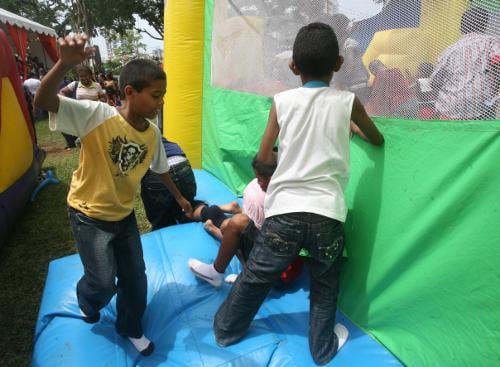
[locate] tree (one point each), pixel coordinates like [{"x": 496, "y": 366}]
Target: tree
[
  {"x": 46, "y": 12},
  {"x": 120, "y": 18},
  {"x": 125, "y": 47},
  {"x": 152, "y": 12},
  {"x": 91, "y": 16}
]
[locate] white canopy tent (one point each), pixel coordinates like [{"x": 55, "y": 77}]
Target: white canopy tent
[{"x": 16, "y": 20}]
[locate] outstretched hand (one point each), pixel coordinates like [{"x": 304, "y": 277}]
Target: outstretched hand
[{"x": 72, "y": 50}]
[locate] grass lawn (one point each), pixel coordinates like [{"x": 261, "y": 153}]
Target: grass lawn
[{"x": 42, "y": 234}]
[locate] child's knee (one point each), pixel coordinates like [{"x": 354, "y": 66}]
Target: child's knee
[
  {"x": 238, "y": 223},
  {"x": 214, "y": 213},
  {"x": 197, "y": 212}
]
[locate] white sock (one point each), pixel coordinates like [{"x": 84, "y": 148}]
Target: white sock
[
  {"x": 342, "y": 334},
  {"x": 231, "y": 278},
  {"x": 206, "y": 272},
  {"x": 140, "y": 343}
]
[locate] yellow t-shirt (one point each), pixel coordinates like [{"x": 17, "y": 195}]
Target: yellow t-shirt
[{"x": 114, "y": 157}]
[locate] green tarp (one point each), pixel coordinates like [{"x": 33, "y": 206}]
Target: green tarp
[{"x": 423, "y": 241}]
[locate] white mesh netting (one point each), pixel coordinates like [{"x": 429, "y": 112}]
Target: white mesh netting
[{"x": 425, "y": 59}]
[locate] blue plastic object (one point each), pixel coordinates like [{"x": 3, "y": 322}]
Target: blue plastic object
[
  {"x": 49, "y": 178},
  {"x": 180, "y": 313}
]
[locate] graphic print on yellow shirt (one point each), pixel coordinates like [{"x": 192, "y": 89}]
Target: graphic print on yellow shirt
[{"x": 126, "y": 154}]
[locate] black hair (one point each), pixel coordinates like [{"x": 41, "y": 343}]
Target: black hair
[
  {"x": 263, "y": 169},
  {"x": 84, "y": 69},
  {"x": 474, "y": 20},
  {"x": 315, "y": 50},
  {"x": 139, "y": 74}
]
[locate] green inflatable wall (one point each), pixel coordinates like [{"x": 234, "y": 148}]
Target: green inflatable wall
[{"x": 423, "y": 241}]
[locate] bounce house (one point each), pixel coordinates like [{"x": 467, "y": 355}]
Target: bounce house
[
  {"x": 420, "y": 282},
  {"x": 20, "y": 157}
]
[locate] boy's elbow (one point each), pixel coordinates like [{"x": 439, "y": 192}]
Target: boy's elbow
[
  {"x": 46, "y": 103},
  {"x": 38, "y": 101}
]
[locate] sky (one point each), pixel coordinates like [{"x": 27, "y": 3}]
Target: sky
[
  {"x": 359, "y": 9},
  {"x": 150, "y": 43}
]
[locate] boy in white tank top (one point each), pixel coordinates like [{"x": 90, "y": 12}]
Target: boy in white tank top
[{"x": 304, "y": 205}]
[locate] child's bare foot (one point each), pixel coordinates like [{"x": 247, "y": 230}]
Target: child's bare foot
[
  {"x": 232, "y": 207},
  {"x": 212, "y": 229}
]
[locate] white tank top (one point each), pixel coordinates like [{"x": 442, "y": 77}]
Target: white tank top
[{"x": 313, "y": 153}]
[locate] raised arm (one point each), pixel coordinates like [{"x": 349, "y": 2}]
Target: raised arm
[
  {"x": 266, "y": 154},
  {"x": 72, "y": 51},
  {"x": 365, "y": 123}
]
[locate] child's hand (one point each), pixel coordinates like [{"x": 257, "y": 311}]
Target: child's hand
[
  {"x": 72, "y": 50},
  {"x": 186, "y": 207}
]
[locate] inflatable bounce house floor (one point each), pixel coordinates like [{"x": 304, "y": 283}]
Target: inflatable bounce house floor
[{"x": 180, "y": 313}]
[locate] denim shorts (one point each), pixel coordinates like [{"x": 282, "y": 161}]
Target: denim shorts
[{"x": 247, "y": 239}]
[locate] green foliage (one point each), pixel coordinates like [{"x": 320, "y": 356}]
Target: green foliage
[
  {"x": 114, "y": 66},
  {"x": 47, "y": 12},
  {"x": 121, "y": 19},
  {"x": 126, "y": 46},
  {"x": 93, "y": 16}
]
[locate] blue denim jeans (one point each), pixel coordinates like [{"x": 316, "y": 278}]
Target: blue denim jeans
[
  {"x": 161, "y": 208},
  {"x": 109, "y": 251},
  {"x": 276, "y": 246}
]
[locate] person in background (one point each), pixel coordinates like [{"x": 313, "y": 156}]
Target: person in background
[
  {"x": 161, "y": 207},
  {"x": 460, "y": 77},
  {"x": 110, "y": 85},
  {"x": 31, "y": 85},
  {"x": 421, "y": 106},
  {"x": 84, "y": 88},
  {"x": 353, "y": 76},
  {"x": 493, "y": 105},
  {"x": 390, "y": 90},
  {"x": 65, "y": 82}
]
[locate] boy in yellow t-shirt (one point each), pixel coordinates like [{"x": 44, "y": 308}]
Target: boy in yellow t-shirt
[{"x": 117, "y": 148}]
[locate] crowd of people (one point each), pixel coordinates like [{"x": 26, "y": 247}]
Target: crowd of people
[
  {"x": 462, "y": 85},
  {"x": 87, "y": 86},
  {"x": 296, "y": 200}
]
